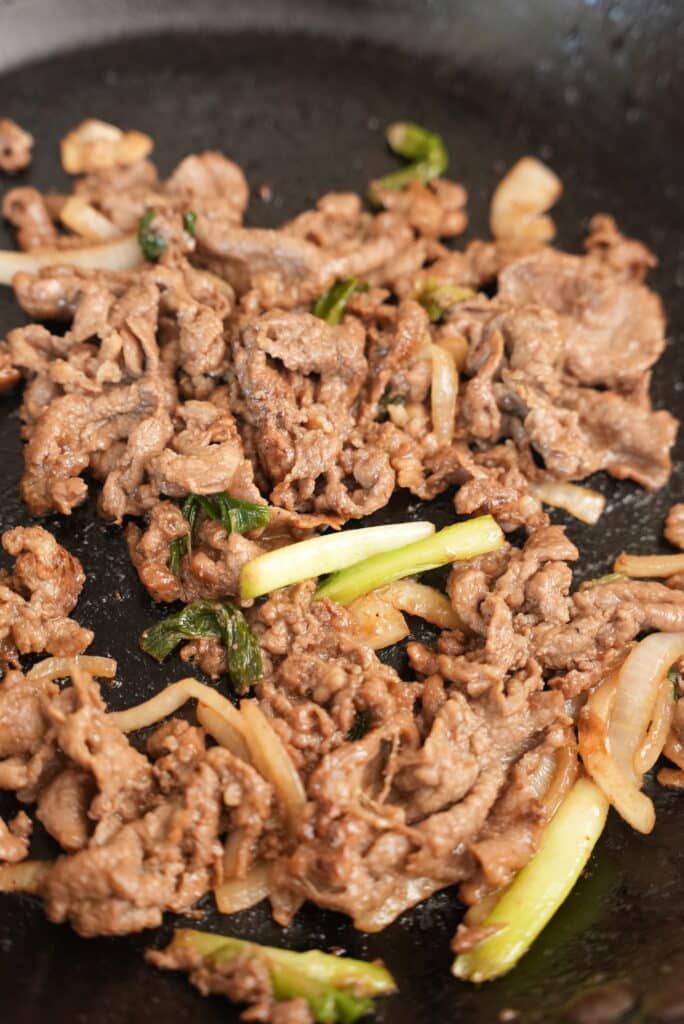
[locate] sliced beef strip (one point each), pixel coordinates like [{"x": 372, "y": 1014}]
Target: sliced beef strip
[
  {"x": 26, "y": 210},
  {"x": 36, "y": 598},
  {"x": 16, "y": 146},
  {"x": 14, "y": 838},
  {"x": 615, "y": 327},
  {"x": 674, "y": 526}
]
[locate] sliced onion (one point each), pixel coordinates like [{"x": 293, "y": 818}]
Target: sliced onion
[
  {"x": 649, "y": 565},
  {"x": 580, "y": 502},
  {"x": 517, "y": 208},
  {"x": 422, "y": 601},
  {"x": 443, "y": 394},
  {"x": 27, "y": 876},
  {"x": 454, "y": 343},
  {"x": 658, "y": 730},
  {"x": 61, "y": 668},
  {"x": 271, "y": 759},
  {"x": 638, "y": 689},
  {"x": 223, "y": 731},
  {"x": 121, "y": 254},
  {"x": 405, "y": 894},
  {"x": 377, "y": 621},
  {"x": 242, "y": 893},
  {"x": 625, "y": 796},
  {"x": 96, "y": 145},
  {"x": 81, "y": 217},
  {"x": 173, "y": 697}
]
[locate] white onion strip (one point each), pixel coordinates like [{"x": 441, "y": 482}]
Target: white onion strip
[
  {"x": 272, "y": 760},
  {"x": 405, "y": 894},
  {"x": 121, "y": 254},
  {"x": 638, "y": 688},
  {"x": 634, "y": 806},
  {"x": 422, "y": 601},
  {"x": 657, "y": 734},
  {"x": 377, "y": 621},
  {"x": 517, "y": 208},
  {"x": 223, "y": 731},
  {"x": 242, "y": 893},
  {"x": 80, "y": 216},
  {"x": 580, "y": 502},
  {"x": 163, "y": 704},
  {"x": 60, "y": 668},
  {"x": 643, "y": 566},
  {"x": 443, "y": 394}
]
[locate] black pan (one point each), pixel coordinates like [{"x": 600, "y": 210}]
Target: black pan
[{"x": 298, "y": 93}]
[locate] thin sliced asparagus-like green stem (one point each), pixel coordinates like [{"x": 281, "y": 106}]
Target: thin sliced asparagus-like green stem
[
  {"x": 462, "y": 540},
  {"x": 425, "y": 150},
  {"x": 536, "y": 893},
  {"x": 320, "y": 555}
]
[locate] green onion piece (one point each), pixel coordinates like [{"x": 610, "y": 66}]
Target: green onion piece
[
  {"x": 190, "y": 222},
  {"x": 319, "y": 555},
  {"x": 438, "y": 296},
  {"x": 236, "y": 516},
  {"x": 462, "y": 540},
  {"x": 536, "y": 893},
  {"x": 150, "y": 241},
  {"x": 178, "y": 549},
  {"x": 384, "y": 401},
  {"x": 330, "y": 305},
  {"x": 210, "y": 618},
  {"x": 425, "y": 150},
  {"x": 338, "y": 990}
]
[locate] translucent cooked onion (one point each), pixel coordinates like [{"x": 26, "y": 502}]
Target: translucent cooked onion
[
  {"x": 658, "y": 730},
  {"x": 377, "y": 621},
  {"x": 405, "y": 894},
  {"x": 555, "y": 774},
  {"x": 625, "y": 796},
  {"x": 638, "y": 688},
  {"x": 223, "y": 731},
  {"x": 173, "y": 697},
  {"x": 241, "y": 893},
  {"x": 443, "y": 394},
  {"x": 272, "y": 760},
  {"x": 455, "y": 343},
  {"x": 83, "y": 219},
  {"x": 96, "y": 145},
  {"x": 121, "y": 254},
  {"x": 520, "y": 200},
  {"x": 27, "y": 876},
  {"x": 422, "y": 601},
  {"x": 642, "y": 566},
  {"x": 580, "y": 502},
  {"x": 61, "y": 668}
]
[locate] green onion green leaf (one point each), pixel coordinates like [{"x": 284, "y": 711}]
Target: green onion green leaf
[{"x": 151, "y": 242}]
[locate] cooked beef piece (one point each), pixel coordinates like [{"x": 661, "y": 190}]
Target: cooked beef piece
[
  {"x": 674, "y": 526},
  {"x": 614, "y": 328},
  {"x": 122, "y": 194},
  {"x": 210, "y": 569},
  {"x": 242, "y": 980},
  {"x": 27, "y": 212},
  {"x": 211, "y": 184},
  {"x": 16, "y": 146},
  {"x": 36, "y": 598},
  {"x": 62, "y": 808},
  {"x": 14, "y": 838}
]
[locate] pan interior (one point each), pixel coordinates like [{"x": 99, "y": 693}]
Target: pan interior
[{"x": 305, "y": 116}]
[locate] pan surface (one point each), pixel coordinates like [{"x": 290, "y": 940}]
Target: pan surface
[{"x": 298, "y": 94}]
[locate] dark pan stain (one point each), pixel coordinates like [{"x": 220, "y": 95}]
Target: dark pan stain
[{"x": 596, "y": 90}]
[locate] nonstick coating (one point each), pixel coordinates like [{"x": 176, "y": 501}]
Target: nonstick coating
[{"x": 594, "y": 89}]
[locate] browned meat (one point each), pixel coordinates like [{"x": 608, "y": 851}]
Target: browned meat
[
  {"x": 241, "y": 980},
  {"x": 16, "y": 146},
  {"x": 27, "y": 212},
  {"x": 674, "y": 526},
  {"x": 615, "y": 329},
  {"x": 122, "y": 194},
  {"x": 211, "y": 184},
  {"x": 36, "y": 598},
  {"x": 14, "y": 838}
]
